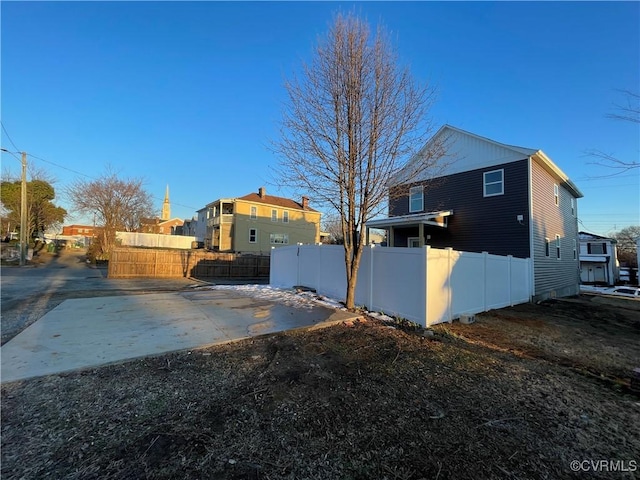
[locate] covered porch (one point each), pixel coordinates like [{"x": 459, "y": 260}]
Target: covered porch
[{"x": 419, "y": 221}]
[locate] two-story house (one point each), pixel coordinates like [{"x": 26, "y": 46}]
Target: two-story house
[
  {"x": 495, "y": 198},
  {"x": 257, "y": 222},
  {"x": 598, "y": 259}
]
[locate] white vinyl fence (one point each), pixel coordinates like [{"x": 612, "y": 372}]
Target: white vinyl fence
[
  {"x": 135, "y": 239},
  {"x": 424, "y": 285}
]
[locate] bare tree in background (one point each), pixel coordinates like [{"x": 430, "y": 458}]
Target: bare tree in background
[
  {"x": 352, "y": 119},
  {"x": 118, "y": 204},
  {"x": 628, "y": 112}
]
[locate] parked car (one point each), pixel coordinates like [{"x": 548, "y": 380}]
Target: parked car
[{"x": 633, "y": 292}]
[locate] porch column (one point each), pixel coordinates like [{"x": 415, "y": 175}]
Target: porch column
[
  {"x": 390, "y": 239},
  {"x": 421, "y": 233}
]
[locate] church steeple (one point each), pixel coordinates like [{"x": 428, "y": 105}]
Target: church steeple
[{"x": 166, "y": 207}]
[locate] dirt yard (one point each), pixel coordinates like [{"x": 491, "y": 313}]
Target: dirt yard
[{"x": 522, "y": 393}]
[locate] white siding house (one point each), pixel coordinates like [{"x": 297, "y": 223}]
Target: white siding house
[{"x": 598, "y": 260}]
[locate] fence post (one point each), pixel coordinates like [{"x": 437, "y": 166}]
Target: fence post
[
  {"x": 425, "y": 278},
  {"x": 155, "y": 264},
  {"x": 509, "y": 279},
  {"x": 450, "y": 289},
  {"x": 485, "y": 259}
]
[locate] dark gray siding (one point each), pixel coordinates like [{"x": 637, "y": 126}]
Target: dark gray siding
[
  {"x": 478, "y": 224},
  {"x": 553, "y": 276}
]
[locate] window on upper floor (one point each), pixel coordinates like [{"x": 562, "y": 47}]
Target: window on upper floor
[
  {"x": 274, "y": 215},
  {"x": 285, "y": 217},
  {"x": 558, "y": 247},
  {"x": 416, "y": 199},
  {"x": 597, "y": 248},
  {"x": 254, "y": 212},
  {"x": 547, "y": 247},
  {"x": 573, "y": 207},
  {"x": 493, "y": 183},
  {"x": 253, "y": 235},
  {"x": 556, "y": 194},
  {"x": 575, "y": 249}
]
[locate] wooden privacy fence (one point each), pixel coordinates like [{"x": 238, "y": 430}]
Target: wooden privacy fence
[{"x": 127, "y": 262}]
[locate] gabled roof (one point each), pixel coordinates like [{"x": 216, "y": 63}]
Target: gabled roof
[
  {"x": 275, "y": 201},
  {"x": 503, "y": 152}
]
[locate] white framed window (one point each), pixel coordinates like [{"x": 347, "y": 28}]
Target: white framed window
[
  {"x": 416, "y": 199},
  {"x": 413, "y": 242},
  {"x": 279, "y": 238},
  {"x": 274, "y": 215},
  {"x": 558, "y": 247},
  {"x": 573, "y": 207},
  {"x": 254, "y": 212},
  {"x": 285, "y": 217},
  {"x": 493, "y": 183},
  {"x": 556, "y": 194},
  {"x": 253, "y": 235},
  {"x": 547, "y": 247},
  {"x": 575, "y": 249}
]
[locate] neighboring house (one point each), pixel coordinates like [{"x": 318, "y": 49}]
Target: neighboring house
[
  {"x": 163, "y": 227},
  {"x": 189, "y": 227},
  {"x": 495, "y": 198},
  {"x": 78, "y": 230},
  {"x": 257, "y": 222},
  {"x": 598, "y": 259}
]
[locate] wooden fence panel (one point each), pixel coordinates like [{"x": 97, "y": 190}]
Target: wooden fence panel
[{"x": 129, "y": 262}]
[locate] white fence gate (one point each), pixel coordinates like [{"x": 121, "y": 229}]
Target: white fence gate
[{"x": 424, "y": 285}]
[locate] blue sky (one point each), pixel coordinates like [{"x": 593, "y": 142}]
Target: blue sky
[{"x": 190, "y": 94}]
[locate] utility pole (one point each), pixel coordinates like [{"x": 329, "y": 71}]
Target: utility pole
[{"x": 23, "y": 212}]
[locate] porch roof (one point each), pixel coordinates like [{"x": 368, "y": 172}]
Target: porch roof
[
  {"x": 438, "y": 219},
  {"x": 592, "y": 258}
]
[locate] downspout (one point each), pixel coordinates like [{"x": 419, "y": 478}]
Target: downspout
[{"x": 532, "y": 263}]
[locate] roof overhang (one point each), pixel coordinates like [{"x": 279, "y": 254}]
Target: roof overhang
[
  {"x": 594, "y": 259},
  {"x": 552, "y": 168},
  {"x": 436, "y": 219}
]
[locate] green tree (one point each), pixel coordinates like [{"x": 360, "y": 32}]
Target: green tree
[
  {"x": 42, "y": 213},
  {"x": 352, "y": 120}
]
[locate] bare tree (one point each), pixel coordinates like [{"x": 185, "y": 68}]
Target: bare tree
[
  {"x": 627, "y": 246},
  {"x": 628, "y": 112},
  {"x": 352, "y": 119},
  {"x": 118, "y": 204}
]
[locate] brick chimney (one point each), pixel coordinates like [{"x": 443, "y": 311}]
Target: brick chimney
[
  {"x": 305, "y": 203},
  {"x": 262, "y": 192}
]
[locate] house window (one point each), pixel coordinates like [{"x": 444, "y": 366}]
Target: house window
[
  {"x": 597, "y": 248},
  {"x": 274, "y": 215},
  {"x": 416, "y": 199},
  {"x": 279, "y": 238},
  {"x": 254, "y": 212},
  {"x": 285, "y": 217},
  {"x": 575, "y": 250},
  {"x": 556, "y": 194},
  {"x": 413, "y": 242},
  {"x": 253, "y": 235},
  {"x": 558, "y": 247},
  {"x": 573, "y": 207},
  {"x": 493, "y": 183},
  {"x": 546, "y": 247}
]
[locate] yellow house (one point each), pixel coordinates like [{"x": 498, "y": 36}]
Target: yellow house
[{"x": 257, "y": 222}]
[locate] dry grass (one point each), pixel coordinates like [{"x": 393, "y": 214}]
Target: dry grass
[{"x": 353, "y": 401}]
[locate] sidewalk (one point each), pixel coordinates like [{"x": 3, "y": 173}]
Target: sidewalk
[{"x": 89, "y": 332}]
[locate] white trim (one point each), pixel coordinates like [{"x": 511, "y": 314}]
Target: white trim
[
  {"x": 547, "y": 247},
  {"x": 253, "y": 212},
  {"x": 532, "y": 249},
  {"x": 285, "y": 216},
  {"x": 485, "y": 183},
  {"x": 274, "y": 218},
  {"x": 558, "y": 248},
  {"x": 556, "y": 194},
  {"x": 437, "y": 219}
]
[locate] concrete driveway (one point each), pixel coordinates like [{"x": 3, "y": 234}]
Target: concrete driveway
[{"x": 88, "y": 332}]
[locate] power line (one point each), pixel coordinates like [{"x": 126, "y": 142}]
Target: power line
[{"x": 9, "y": 136}]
